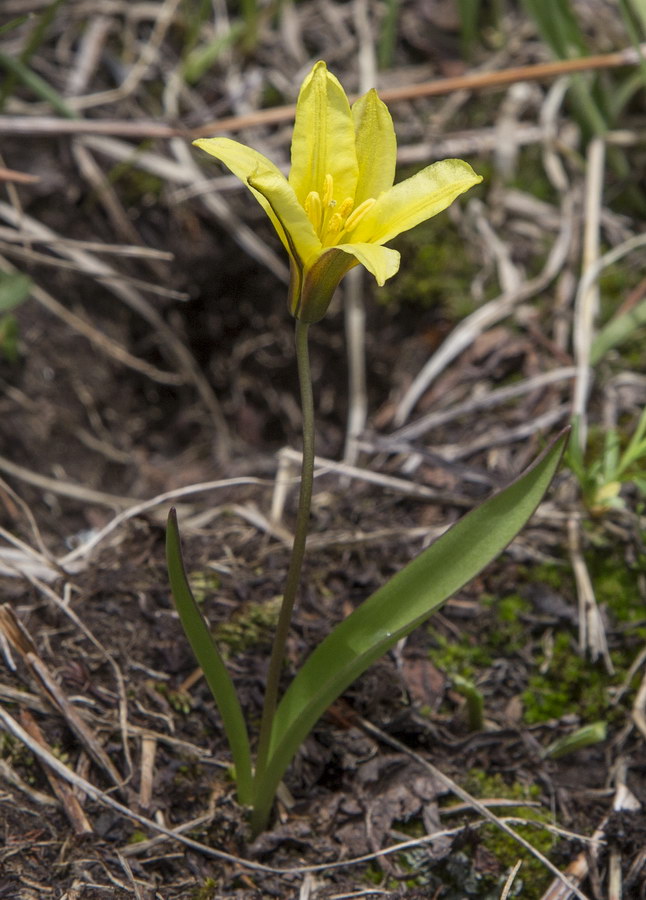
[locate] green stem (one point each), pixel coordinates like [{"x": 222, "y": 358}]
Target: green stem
[{"x": 295, "y": 564}]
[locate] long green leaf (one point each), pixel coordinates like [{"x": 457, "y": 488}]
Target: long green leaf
[
  {"x": 395, "y": 610},
  {"x": 208, "y": 656}
]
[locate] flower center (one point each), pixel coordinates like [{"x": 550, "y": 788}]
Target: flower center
[{"x": 333, "y": 222}]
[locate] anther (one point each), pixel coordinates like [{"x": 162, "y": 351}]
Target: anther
[{"x": 358, "y": 214}]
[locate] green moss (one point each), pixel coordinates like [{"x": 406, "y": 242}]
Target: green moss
[
  {"x": 254, "y": 624},
  {"x": 509, "y": 633},
  {"x": 208, "y": 891},
  {"x": 615, "y": 582},
  {"x": 533, "y": 878},
  {"x": 571, "y": 684},
  {"x": 436, "y": 269},
  {"x": 462, "y": 656},
  {"x": 137, "y": 837},
  {"x": 531, "y": 177},
  {"x": 204, "y": 583},
  {"x": 180, "y": 701}
]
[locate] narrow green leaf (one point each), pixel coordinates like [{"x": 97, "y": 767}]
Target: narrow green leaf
[
  {"x": 37, "y": 84},
  {"x": 617, "y": 331},
  {"x": 396, "y": 609},
  {"x": 582, "y": 737},
  {"x": 208, "y": 656}
]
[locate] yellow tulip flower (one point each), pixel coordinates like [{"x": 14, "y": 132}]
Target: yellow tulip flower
[{"x": 339, "y": 205}]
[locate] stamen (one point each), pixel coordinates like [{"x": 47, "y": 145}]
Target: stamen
[
  {"x": 358, "y": 214},
  {"x": 314, "y": 209},
  {"x": 328, "y": 191},
  {"x": 334, "y": 226},
  {"x": 346, "y": 207}
]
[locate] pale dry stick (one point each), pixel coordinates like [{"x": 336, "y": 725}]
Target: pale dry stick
[
  {"x": 88, "y": 56},
  {"x": 498, "y": 436},
  {"x": 52, "y": 125},
  {"x": 17, "y": 177},
  {"x": 244, "y": 236},
  {"x": 97, "y": 338},
  {"x": 635, "y": 666},
  {"x": 464, "y": 143},
  {"x": 354, "y": 312},
  {"x": 141, "y": 847},
  {"x": 21, "y": 237},
  {"x": 285, "y": 475},
  {"x": 11, "y": 777},
  {"x": 44, "y": 259},
  {"x": 23, "y": 644},
  {"x": 64, "y": 606},
  {"x": 549, "y": 124},
  {"x": 162, "y": 18},
  {"x": 24, "y": 507},
  {"x": 133, "y": 299},
  {"x": 592, "y": 634},
  {"x": 68, "y": 799},
  {"x": 189, "y": 173},
  {"x": 509, "y": 276},
  {"x": 100, "y": 796},
  {"x": 424, "y": 424},
  {"x": 614, "y": 873},
  {"x": 125, "y": 865},
  {"x": 64, "y": 488},
  {"x": 104, "y": 190},
  {"x": 469, "y": 82},
  {"x": 400, "y": 485},
  {"x": 76, "y": 724},
  {"x": 510, "y": 880},
  {"x": 472, "y": 801},
  {"x": 579, "y": 868},
  {"x": 24, "y": 698},
  {"x": 343, "y": 539},
  {"x": 254, "y": 517},
  {"x": 494, "y": 311},
  {"x": 44, "y": 561},
  {"x": 291, "y": 34},
  {"x": 639, "y": 708},
  {"x": 137, "y": 508},
  {"x": 552, "y": 150},
  {"x": 586, "y": 306},
  {"x": 67, "y": 774},
  {"x": 517, "y": 101}
]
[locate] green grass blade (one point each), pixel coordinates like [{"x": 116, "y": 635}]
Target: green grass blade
[
  {"x": 617, "y": 331},
  {"x": 201, "y": 58},
  {"x": 208, "y": 656},
  {"x": 558, "y": 26},
  {"x": 13, "y": 23},
  {"x": 37, "y": 84},
  {"x": 388, "y": 35},
  {"x": 395, "y": 610}
]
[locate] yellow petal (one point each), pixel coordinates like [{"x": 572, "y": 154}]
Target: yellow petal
[
  {"x": 243, "y": 161},
  {"x": 303, "y": 243},
  {"x": 376, "y": 146},
  {"x": 382, "y": 262},
  {"x": 416, "y": 199},
  {"x": 323, "y": 139}
]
